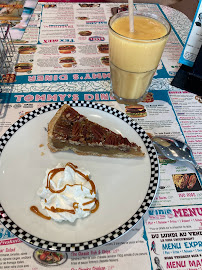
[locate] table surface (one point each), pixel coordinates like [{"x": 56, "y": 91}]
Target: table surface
[
  {"x": 186, "y": 7},
  {"x": 169, "y": 234}
]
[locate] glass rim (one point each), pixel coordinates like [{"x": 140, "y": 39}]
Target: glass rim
[{"x": 143, "y": 14}]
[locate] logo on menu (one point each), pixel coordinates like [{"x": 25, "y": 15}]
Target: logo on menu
[
  {"x": 160, "y": 213},
  {"x": 96, "y": 38},
  {"x": 178, "y": 212}
]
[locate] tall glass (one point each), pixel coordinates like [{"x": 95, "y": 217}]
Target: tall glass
[{"x": 133, "y": 62}]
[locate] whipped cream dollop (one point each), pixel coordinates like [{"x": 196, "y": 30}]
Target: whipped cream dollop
[{"x": 68, "y": 193}]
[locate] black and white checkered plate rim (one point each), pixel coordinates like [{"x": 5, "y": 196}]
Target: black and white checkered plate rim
[{"x": 69, "y": 247}]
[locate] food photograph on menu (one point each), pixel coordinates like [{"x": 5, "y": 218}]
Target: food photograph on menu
[
  {"x": 186, "y": 182},
  {"x": 11, "y": 11}
]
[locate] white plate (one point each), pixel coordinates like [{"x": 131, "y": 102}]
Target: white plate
[{"x": 126, "y": 187}]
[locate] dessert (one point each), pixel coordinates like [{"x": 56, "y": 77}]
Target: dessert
[
  {"x": 67, "y": 194},
  {"x": 70, "y": 130},
  {"x": 135, "y": 55}
]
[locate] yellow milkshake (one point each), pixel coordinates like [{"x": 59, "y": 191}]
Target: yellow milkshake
[{"x": 135, "y": 56}]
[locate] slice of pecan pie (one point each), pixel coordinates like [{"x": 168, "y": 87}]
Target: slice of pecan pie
[{"x": 70, "y": 130}]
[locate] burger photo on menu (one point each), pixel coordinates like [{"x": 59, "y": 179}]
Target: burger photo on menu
[
  {"x": 65, "y": 49},
  {"x": 19, "y": 41},
  {"x": 105, "y": 60},
  {"x": 27, "y": 49},
  {"x": 23, "y": 67},
  {"x": 68, "y": 61},
  {"x": 82, "y": 18},
  {"x": 85, "y": 33},
  {"x": 89, "y": 5},
  {"x": 103, "y": 48},
  {"x": 136, "y": 111}
]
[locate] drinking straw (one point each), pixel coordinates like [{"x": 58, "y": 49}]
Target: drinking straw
[{"x": 131, "y": 15}]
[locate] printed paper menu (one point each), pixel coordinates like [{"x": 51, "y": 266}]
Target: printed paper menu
[
  {"x": 82, "y": 31},
  {"x": 174, "y": 236},
  {"x": 60, "y": 59}
]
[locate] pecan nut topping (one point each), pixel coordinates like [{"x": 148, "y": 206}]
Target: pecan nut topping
[
  {"x": 70, "y": 130},
  {"x": 97, "y": 132},
  {"x": 76, "y": 128},
  {"x": 73, "y": 115},
  {"x": 111, "y": 140}
]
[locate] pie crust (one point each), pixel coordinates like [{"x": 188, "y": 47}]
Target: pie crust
[{"x": 69, "y": 130}]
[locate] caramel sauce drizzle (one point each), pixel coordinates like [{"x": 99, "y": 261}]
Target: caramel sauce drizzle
[
  {"x": 60, "y": 210},
  {"x": 75, "y": 205},
  {"x": 50, "y": 176},
  {"x": 96, "y": 205},
  {"x": 36, "y": 211},
  {"x": 53, "y": 172},
  {"x": 74, "y": 167},
  {"x": 93, "y": 200}
]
